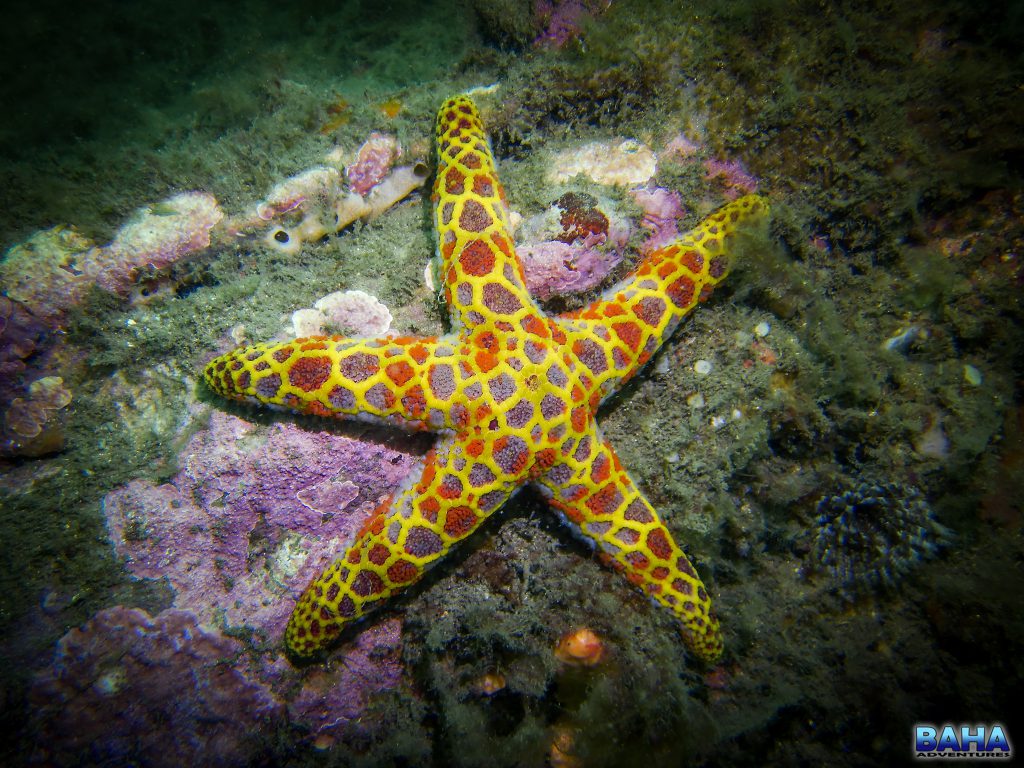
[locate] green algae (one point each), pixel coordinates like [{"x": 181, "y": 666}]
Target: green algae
[{"x": 862, "y": 133}]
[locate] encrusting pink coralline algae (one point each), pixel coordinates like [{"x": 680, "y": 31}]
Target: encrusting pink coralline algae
[
  {"x": 250, "y": 516},
  {"x": 236, "y": 535},
  {"x": 127, "y": 688}
]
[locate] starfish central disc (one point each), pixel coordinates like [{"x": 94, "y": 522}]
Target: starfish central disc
[{"x": 511, "y": 392}]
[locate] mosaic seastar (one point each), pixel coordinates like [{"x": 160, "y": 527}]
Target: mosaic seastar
[{"x": 511, "y": 392}]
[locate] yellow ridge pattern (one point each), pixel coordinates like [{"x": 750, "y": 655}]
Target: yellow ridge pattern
[{"x": 511, "y": 392}]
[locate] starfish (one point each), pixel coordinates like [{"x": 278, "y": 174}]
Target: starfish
[{"x": 512, "y": 393}]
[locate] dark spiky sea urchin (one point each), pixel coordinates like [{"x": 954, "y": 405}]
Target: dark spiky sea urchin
[{"x": 869, "y": 537}]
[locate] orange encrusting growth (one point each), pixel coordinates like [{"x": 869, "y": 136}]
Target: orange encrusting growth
[{"x": 512, "y": 393}]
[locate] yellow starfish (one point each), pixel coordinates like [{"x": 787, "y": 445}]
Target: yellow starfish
[{"x": 511, "y": 392}]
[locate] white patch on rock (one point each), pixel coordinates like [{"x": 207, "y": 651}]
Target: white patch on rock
[{"x": 628, "y": 162}]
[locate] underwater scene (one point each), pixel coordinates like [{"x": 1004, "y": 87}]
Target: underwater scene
[{"x": 569, "y": 383}]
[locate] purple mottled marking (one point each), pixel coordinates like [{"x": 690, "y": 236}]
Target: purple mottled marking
[
  {"x": 502, "y": 387},
  {"x": 557, "y": 376},
  {"x": 492, "y": 500},
  {"x": 423, "y": 542},
  {"x": 519, "y": 415},
  {"x": 341, "y": 399},
  {"x": 480, "y": 474},
  {"x": 560, "y": 474},
  {"x": 509, "y": 458},
  {"x": 380, "y": 397},
  {"x": 639, "y": 513},
  {"x": 583, "y": 449},
  {"x": 268, "y": 386},
  {"x": 442, "y": 381},
  {"x": 683, "y": 587},
  {"x": 500, "y": 300}
]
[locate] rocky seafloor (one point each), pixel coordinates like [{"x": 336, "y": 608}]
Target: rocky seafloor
[{"x": 835, "y": 437}]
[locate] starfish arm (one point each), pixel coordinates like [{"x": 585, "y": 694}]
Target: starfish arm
[
  {"x": 597, "y": 498},
  {"x": 435, "y": 508},
  {"x": 636, "y": 316},
  {"x": 483, "y": 278},
  {"x": 412, "y": 382}
]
